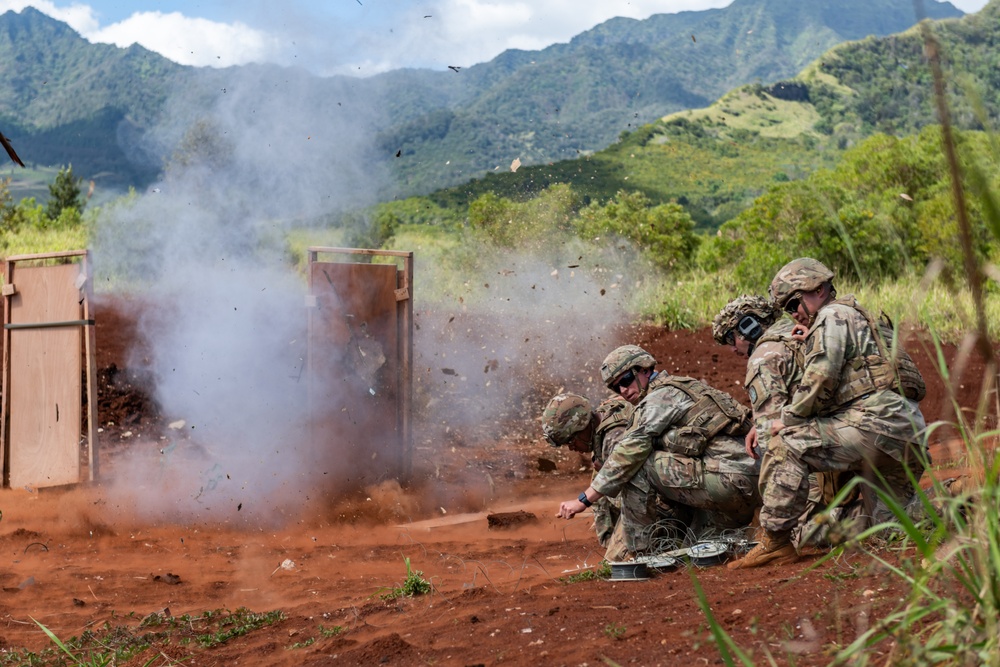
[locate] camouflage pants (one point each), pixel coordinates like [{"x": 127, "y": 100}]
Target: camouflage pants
[
  {"x": 681, "y": 483},
  {"x": 606, "y": 514},
  {"x": 831, "y": 445},
  {"x": 822, "y": 489}
]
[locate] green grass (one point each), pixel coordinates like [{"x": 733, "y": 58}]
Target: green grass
[
  {"x": 32, "y": 241},
  {"x": 143, "y": 644},
  {"x": 743, "y": 109}
]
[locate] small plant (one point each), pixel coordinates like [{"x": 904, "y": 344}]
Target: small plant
[
  {"x": 238, "y": 623},
  {"x": 302, "y": 644},
  {"x": 111, "y": 654},
  {"x": 331, "y": 632},
  {"x": 414, "y": 584},
  {"x": 602, "y": 571},
  {"x": 615, "y": 630}
]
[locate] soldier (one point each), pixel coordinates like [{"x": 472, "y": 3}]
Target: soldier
[
  {"x": 684, "y": 445},
  {"x": 754, "y": 328},
  {"x": 854, "y": 409},
  {"x": 570, "y": 420}
]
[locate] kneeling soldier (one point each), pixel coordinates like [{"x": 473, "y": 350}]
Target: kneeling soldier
[{"x": 684, "y": 445}]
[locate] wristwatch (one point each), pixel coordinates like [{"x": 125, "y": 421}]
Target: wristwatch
[{"x": 583, "y": 499}]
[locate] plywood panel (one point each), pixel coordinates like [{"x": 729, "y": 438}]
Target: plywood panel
[
  {"x": 45, "y": 378},
  {"x": 354, "y": 377}
]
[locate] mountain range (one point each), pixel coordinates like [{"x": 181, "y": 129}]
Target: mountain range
[{"x": 65, "y": 100}]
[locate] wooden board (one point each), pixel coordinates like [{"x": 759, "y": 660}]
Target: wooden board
[
  {"x": 45, "y": 366},
  {"x": 353, "y": 371}
]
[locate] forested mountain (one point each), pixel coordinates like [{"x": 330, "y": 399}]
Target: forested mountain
[
  {"x": 717, "y": 159},
  {"x": 64, "y": 100}
]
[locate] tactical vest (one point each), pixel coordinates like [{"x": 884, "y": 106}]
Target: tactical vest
[
  {"x": 714, "y": 412},
  {"x": 613, "y": 412},
  {"x": 875, "y": 372},
  {"x": 753, "y": 383}
]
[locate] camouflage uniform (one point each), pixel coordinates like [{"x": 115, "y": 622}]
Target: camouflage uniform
[
  {"x": 614, "y": 415},
  {"x": 567, "y": 415},
  {"x": 772, "y": 375},
  {"x": 666, "y": 452},
  {"x": 836, "y": 422},
  {"x": 773, "y": 371}
]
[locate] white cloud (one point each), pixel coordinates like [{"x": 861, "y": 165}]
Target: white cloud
[
  {"x": 370, "y": 38},
  {"x": 465, "y": 32},
  {"x": 81, "y": 18},
  {"x": 192, "y": 41}
]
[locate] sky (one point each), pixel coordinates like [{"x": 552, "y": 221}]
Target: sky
[{"x": 355, "y": 37}]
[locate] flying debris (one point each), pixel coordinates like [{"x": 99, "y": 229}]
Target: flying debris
[
  {"x": 905, "y": 196},
  {"x": 454, "y": 67},
  {"x": 515, "y": 164},
  {"x": 10, "y": 149},
  {"x": 693, "y": 39}
]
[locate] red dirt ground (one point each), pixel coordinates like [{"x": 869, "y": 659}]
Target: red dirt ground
[{"x": 499, "y": 596}]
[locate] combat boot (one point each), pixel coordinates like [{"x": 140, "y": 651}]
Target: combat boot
[{"x": 772, "y": 546}]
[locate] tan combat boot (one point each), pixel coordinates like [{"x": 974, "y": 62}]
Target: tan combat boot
[{"x": 771, "y": 547}]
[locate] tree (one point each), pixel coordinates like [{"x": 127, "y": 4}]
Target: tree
[
  {"x": 65, "y": 193},
  {"x": 665, "y": 231}
]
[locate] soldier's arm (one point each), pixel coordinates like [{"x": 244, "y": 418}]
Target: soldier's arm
[
  {"x": 651, "y": 418},
  {"x": 769, "y": 380},
  {"x": 824, "y": 359}
]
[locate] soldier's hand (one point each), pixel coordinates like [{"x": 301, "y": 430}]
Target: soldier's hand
[
  {"x": 776, "y": 427},
  {"x": 751, "y": 443},
  {"x": 570, "y": 508},
  {"x": 799, "y": 332}
]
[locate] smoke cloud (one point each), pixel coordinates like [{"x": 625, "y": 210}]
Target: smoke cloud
[{"x": 227, "y": 331}]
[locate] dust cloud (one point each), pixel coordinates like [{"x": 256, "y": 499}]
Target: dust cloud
[{"x": 247, "y": 162}]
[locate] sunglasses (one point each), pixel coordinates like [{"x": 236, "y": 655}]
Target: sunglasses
[
  {"x": 792, "y": 305},
  {"x": 624, "y": 381}
]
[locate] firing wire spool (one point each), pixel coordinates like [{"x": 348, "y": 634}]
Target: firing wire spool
[
  {"x": 708, "y": 553},
  {"x": 631, "y": 571}
]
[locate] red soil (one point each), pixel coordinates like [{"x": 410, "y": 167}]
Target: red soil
[{"x": 72, "y": 562}]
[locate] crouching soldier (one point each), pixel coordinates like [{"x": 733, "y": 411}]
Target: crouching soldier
[
  {"x": 684, "y": 446},
  {"x": 855, "y": 407},
  {"x": 753, "y": 327},
  {"x": 570, "y": 420}
]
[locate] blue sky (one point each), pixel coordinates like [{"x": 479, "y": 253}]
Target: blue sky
[{"x": 359, "y": 37}]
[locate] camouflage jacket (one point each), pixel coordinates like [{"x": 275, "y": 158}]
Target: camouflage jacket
[
  {"x": 614, "y": 415},
  {"x": 838, "y": 339},
  {"x": 772, "y": 375},
  {"x": 660, "y": 422}
]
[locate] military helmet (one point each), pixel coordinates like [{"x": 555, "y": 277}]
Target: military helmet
[
  {"x": 799, "y": 275},
  {"x": 564, "y": 417},
  {"x": 733, "y": 318},
  {"x": 623, "y": 358}
]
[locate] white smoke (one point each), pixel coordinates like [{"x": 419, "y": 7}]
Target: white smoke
[{"x": 227, "y": 326}]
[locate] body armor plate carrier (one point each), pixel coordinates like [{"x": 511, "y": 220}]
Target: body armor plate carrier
[
  {"x": 714, "y": 413},
  {"x": 884, "y": 370}
]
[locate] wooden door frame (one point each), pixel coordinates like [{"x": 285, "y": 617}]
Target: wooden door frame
[
  {"x": 404, "y": 339},
  {"x": 89, "y": 363}
]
